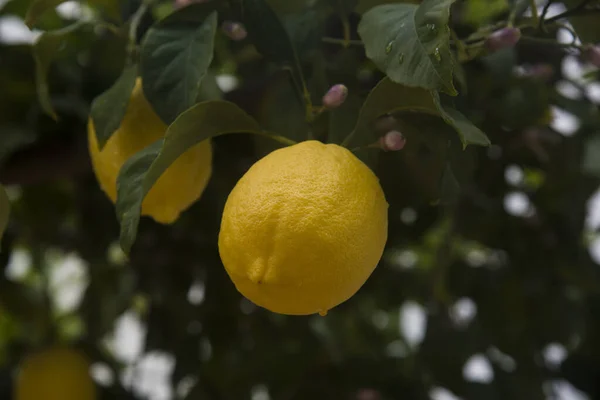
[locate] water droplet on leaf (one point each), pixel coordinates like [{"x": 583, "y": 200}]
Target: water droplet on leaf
[
  {"x": 388, "y": 48},
  {"x": 432, "y": 28},
  {"x": 437, "y": 54},
  {"x": 400, "y": 58}
]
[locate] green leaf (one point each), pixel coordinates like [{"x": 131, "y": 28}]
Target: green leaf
[
  {"x": 304, "y": 31},
  {"x": 109, "y": 108},
  {"x": 411, "y": 43},
  {"x": 39, "y": 7},
  {"x": 585, "y": 24},
  {"x": 343, "y": 119},
  {"x": 449, "y": 186},
  {"x": 201, "y": 122},
  {"x": 591, "y": 157},
  {"x": 4, "y": 210},
  {"x": 45, "y": 50},
  {"x": 469, "y": 133},
  {"x": 110, "y": 8},
  {"x": 271, "y": 38},
  {"x": 389, "y": 97},
  {"x": 343, "y": 7},
  {"x": 267, "y": 32},
  {"x": 481, "y": 12},
  {"x": 175, "y": 56}
]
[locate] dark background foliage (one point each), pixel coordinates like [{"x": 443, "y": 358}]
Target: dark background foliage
[{"x": 526, "y": 276}]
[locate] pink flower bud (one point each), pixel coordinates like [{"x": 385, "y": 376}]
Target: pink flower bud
[
  {"x": 392, "y": 141},
  {"x": 234, "y": 30},
  {"x": 335, "y": 96},
  {"x": 183, "y": 3},
  {"x": 591, "y": 54},
  {"x": 503, "y": 38},
  {"x": 368, "y": 394}
]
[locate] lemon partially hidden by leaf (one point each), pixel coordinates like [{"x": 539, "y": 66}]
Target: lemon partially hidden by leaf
[
  {"x": 57, "y": 373},
  {"x": 177, "y": 188},
  {"x": 303, "y": 229}
]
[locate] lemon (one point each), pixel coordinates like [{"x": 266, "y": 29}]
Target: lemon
[
  {"x": 179, "y": 186},
  {"x": 57, "y": 373},
  {"x": 303, "y": 229}
]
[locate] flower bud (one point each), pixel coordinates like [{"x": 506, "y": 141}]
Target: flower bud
[
  {"x": 392, "y": 141},
  {"x": 503, "y": 38},
  {"x": 183, "y": 3},
  {"x": 591, "y": 54},
  {"x": 335, "y": 96},
  {"x": 234, "y": 30}
]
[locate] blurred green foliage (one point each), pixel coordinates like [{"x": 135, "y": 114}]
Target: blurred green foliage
[{"x": 463, "y": 229}]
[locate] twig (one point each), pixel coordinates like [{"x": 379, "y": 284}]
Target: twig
[
  {"x": 572, "y": 11},
  {"x": 544, "y": 13},
  {"x": 277, "y": 138},
  {"x": 133, "y": 27},
  {"x": 342, "y": 42},
  {"x": 550, "y": 42},
  {"x": 534, "y": 11}
]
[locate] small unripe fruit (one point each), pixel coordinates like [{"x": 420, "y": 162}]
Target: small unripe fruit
[
  {"x": 503, "y": 38},
  {"x": 335, "y": 96}
]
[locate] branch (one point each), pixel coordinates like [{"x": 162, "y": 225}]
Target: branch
[{"x": 580, "y": 8}]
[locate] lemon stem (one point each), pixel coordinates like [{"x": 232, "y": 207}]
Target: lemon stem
[
  {"x": 277, "y": 138},
  {"x": 133, "y": 27}
]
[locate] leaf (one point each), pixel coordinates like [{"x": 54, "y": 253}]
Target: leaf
[
  {"x": 111, "y": 8},
  {"x": 304, "y": 31},
  {"x": 45, "y": 50},
  {"x": 267, "y": 32},
  {"x": 175, "y": 56},
  {"x": 481, "y": 12},
  {"x": 110, "y": 107},
  {"x": 39, "y": 7},
  {"x": 271, "y": 38},
  {"x": 469, "y": 133},
  {"x": 344, "y": 118},
  {"x": 585, "y": 24},
  {"x": 201, "y": 122},
  {"x": 4, "y": 210},
  {"x": 343, "y": 7},
  {"x": 449, "y": 187},
  {"x": 591, "y": 157},
  {"x": 410, "y": 43},
  {"x": 389, "y": 97}
]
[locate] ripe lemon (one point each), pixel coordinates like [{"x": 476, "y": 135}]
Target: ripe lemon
[
  {"x": 303, "y": 229},
  {"x": 181, "y": 184},
  {"x": 55, "y": 374}
]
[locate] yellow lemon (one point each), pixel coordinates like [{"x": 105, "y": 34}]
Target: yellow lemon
[
  {"x": 55, "y": 374},
  {"x": 303, "y": 229},
  {"x": 179, "y": 186}
]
